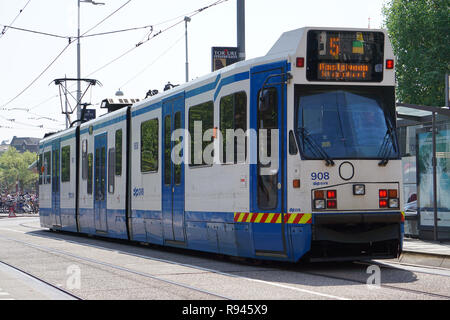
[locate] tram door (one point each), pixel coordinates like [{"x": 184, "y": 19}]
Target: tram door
[
  {"x": 100, "y": 183},
  {"x": 173, "y": 172},
  {"x": 56, "y": 183},
  {"x": 268, "y": 196}
]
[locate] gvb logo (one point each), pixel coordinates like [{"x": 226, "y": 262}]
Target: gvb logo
[
  {"x": 74, "y": 277},
  {"x": 374, "y": 280}
]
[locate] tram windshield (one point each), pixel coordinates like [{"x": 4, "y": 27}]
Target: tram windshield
[{"x": 346, "y": 124}]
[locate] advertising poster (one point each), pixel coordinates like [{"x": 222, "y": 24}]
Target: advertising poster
[
  {"x": 425, "y": 183},
  {"x": 223, "y": 56}
]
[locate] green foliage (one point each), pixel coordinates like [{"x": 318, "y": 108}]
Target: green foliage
[
  {"x": 419, "y": 31},
  {"x": 14, "y": 167}
]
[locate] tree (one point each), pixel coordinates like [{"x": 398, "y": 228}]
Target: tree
[
  {"x": 14, "y": 168},
  {"x": 419, "y": 31}
]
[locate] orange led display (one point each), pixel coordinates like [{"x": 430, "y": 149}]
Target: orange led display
[
  {"x": 334, "y": 46},
  {"x": 343, "y": 71},
  {"x": 346, "y": 56}
]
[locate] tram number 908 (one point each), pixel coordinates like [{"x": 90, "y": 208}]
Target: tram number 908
[{"x": 320, "y": 176}]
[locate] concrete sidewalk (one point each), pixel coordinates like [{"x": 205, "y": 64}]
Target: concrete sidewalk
[
  {"x": 423, "y": 246},
  {"x": 426, "y": 253}
]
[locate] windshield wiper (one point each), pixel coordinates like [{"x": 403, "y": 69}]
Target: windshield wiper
[
  {"x": 315, "y": 146},
  {"x": 385, "y": 150}
]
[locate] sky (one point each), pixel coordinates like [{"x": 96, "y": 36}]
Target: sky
[{"x": 30, "y": 104}]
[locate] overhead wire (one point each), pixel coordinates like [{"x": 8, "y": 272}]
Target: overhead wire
[
  {"x": 37, "y": 78},
  {"x": 14, "y": 121},
  {"x": 53, "y": 61},
  {"x": 59, "y": 55},
  {"x": 75, "y": 37},
  {"x": 5, "y": 28},
  {"x": 150, "y": 36},
  {"x": 116, "y": 31},
  {"x": 36, "y": 32},
  {"x": 107, "y": 17},
  {"x": 153, "y": 62}
]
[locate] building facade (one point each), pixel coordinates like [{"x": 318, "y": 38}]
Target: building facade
[{"x": 25, "y": 144}]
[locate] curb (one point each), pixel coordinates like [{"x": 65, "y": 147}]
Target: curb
[{"x": 425, "y": 259}]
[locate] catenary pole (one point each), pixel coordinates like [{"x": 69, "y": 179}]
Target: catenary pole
[{"x": 241, "y": 29}]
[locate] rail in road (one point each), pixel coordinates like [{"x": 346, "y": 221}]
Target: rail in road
[
  {"x": 114, "y": 270},
  {"x": 21, "y": 285}
]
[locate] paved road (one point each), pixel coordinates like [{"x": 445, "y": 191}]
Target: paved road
[
  {"x": 16, "y": 285},
  {"x": 92, "y": 268}
]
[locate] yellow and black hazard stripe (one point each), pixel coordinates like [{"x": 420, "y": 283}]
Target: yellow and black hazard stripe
[{"x": 292, "y": 218}]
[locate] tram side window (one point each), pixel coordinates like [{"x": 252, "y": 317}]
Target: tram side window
[
  {"x": 90, "y": 162},
  {"x": 111, "y": 169},
  {"x": 293, "y": 150},
  {"x": 267, "y": 175},
  {"x": 118, "y": 152},
  {"x": 65, "y": 164},
  {"x": 200, "y": 116},
  {"x": 84, "y": 160},
  {"x": 39, "y": 166},
  {"x": 149, "y": 145},
  {"x": 167, "y": 150},
  {"x": 233, "y": 119},
  {"x": 177, "y": 166},
  {"x": 47, "y": 168},
  {"x": 56, "y": 170}
]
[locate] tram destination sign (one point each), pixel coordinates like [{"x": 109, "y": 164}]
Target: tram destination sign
[
  {"x": 223, "y": 56},
  {"x": 345, "y": 56}
]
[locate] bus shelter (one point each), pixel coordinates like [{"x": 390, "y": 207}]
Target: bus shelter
[{"x": 424, "y": 135}]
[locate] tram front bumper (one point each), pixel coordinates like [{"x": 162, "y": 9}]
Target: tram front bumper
[{"x": 356, "y": 235}]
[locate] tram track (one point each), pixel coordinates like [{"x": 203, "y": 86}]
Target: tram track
[
  {"x": 202, "y": 269},
  {"x": 413, "y": 291},
  {"x": 293, "y": 268},
  {"x": 113, "y": 266},
  {"x": 39, "y": 279}
]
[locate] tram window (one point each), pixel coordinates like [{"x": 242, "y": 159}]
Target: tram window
[
  {"x": 149, "y": 145},
  {"x": 293, "y": 150},
  {"x": 233, "y": 116},
  {"x": 203, "y": 114},
  {"x": 118, "y": 154},
  {"x": 90, "y": 162},
  {"x": 100, "y": 173},
  {"x": 65, "y": 164},
  {"x": 55, "y": 170},
  {"x": 177, "y": 167},
  {"x": 47, "y": 168},
  {"x": 111, "y": 169},
  {"x": 267, "y": 174},
  {"x": 84, "y": 168},
  {"x": 167, "y": 150},
  {"x": 39, "y": 166}
]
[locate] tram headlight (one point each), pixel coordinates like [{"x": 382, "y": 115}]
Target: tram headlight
[
  {"x": 319, "y": 204},
  {"x": 393, "y": 203},
  {"x": 359, "y": 189}
]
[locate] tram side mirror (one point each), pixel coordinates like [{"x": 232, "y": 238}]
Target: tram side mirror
[{"x": 266, "y": 99}]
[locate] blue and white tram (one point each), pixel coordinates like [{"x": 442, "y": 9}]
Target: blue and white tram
[{"x": 290, "y": 155}]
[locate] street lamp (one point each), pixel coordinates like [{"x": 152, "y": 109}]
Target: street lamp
[
  {"x": 186, "y": 20},
  {"x": 78, "y": 57}
]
